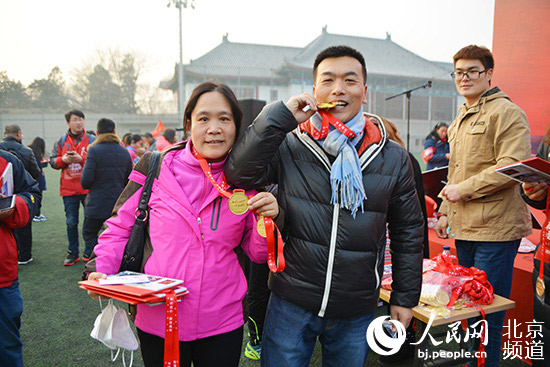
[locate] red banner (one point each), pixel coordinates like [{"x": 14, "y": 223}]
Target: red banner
[{"x": 521, "y": 48}]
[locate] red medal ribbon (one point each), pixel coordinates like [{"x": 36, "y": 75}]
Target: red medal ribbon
[
  {"x": 206, "y": 169},
  {"x": 276, "y": 262},
  {"x": 275, "y": 257},
  {"x": 544, "y": 239},
  {"x": 328, "y": 118},
  {"x": 171, "y": 335}
]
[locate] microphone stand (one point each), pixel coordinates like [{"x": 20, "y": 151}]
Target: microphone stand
[{"x": 408, "y": 94}]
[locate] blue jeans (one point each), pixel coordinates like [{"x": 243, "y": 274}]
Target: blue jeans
[
  {"x": 497, "y": 260},
  {"x": 290, "y": 334},
  {"x": 11, "y": 308},
  {"x": 72, "y": 206}
]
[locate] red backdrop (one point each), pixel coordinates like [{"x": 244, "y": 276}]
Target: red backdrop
[{"x": 521, "y": 47}]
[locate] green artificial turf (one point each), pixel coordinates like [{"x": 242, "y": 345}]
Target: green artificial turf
[{"x": 58, "y": 316}]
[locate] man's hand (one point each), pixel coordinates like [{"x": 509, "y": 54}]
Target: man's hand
[
  {"x": 265, "y": 204},
  {"x": 451, "y": 193},
  {"x": 296, "y": 104},
  {"x": 71, "y": 157},
  {"x": 95, "y": 296},
  {"x": 536, "y": 191},
  {"x": 402, "y": 314},
  {"x": 441, "y": 227}
]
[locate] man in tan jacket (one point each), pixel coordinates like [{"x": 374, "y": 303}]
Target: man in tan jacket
[{"x": 483, "y": 209}]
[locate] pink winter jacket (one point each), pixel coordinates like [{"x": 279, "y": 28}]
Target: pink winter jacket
[{"x": 193, "y": 235}]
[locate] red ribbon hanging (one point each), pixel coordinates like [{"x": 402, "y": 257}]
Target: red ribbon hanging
[
  {"x": 275, "y": 256},
  {"x": 329, "y": 119},
  {"x": 171, "y": 335}
]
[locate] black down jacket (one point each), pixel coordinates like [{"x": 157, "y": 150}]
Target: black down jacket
[
  {"x": 23, "y": 153},
  {"x": 105, "y": 174},
  {"x": 334, "y": 262}
]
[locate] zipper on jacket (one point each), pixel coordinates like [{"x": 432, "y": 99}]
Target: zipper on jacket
[
  {"x": 376, "y": 269},
  {"x": 200, "y": 227},
  {"x": 330, "y": 265}
]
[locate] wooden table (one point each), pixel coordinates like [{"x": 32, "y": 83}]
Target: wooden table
[{"x": 422, "y": 314}]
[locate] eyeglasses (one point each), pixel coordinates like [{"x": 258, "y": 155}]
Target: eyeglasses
[{"x": 472, "y": 74}]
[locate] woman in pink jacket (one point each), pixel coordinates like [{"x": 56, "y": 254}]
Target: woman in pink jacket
[{"x": 193, "y": 235}]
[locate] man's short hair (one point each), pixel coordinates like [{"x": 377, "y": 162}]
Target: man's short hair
[
  {"x": 73, "y": 112},
  {"x": 105, "y": 126},
  {"x": 135, "y": 138},
  {"x": 340, "y": 51},
  {"x": 148, "y": 135},
  {"x": 474, "y": 52},
  {"x": 12, "y": 129}
]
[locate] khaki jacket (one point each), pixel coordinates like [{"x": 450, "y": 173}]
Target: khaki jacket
[{"x": 492, "y": 133}]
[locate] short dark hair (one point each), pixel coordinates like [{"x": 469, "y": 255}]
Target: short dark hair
[
  {"x": 340, "y": 51},
  {"x": 169, "y": 134},
  {"x": 148, "y": 135},
  {"x": 135, "y": 138},
  {"x": 213, "y": 87},
  {"x": 73, "y": 112},
  {"x": 12, "y": 129},
  {"x": 474, "y": 52},
  {"x": 105, "y": 126}
]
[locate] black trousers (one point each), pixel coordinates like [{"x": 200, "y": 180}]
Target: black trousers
[
  {"x": 90, "y": 232},
  {"x": 23, "y": 237},
  {"x": 258, "y": 297},
  {"x": 214, "y": 351}
]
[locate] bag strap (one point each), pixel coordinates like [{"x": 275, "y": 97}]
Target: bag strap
[{"x": 141, "y": 211}]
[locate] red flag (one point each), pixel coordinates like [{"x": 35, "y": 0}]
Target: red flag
[{"x": 158, "y": 129}]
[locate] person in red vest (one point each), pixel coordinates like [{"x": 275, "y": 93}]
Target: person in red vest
[{"x": 68, "y": 155}]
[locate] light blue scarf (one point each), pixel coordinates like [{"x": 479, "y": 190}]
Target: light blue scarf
[{"x": 346, "y": 179}]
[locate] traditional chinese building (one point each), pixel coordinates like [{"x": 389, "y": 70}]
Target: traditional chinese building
[{"x": 272, "y": 73}]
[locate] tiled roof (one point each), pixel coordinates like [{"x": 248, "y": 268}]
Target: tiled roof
[
  {"x": 262, "y": 62},
  {"x": 382, "y": 56},
  {"x": 245, "y": 60}
]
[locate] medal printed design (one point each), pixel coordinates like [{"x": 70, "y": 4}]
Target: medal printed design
[
  {"x": 540, "y": 287},
  {"x": 238, "y": 202},
  {"x": 260, "y": 227}
]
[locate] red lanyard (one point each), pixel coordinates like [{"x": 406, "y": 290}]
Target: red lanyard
[
  {"x": 206, "y": 169},
  {"x": 328, "y": 118},
  {"x": 171, "y": 335},
  {"x": 544, "y": 238},
  {"x": 275, "y": 257}
]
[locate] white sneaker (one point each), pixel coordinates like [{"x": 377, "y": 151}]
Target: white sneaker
[
  {"x": 24, "y": 262},
  {"x": 40, "y": 218}
]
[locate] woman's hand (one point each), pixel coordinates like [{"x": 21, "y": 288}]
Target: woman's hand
[
  {"x": 264, "y": 203},
  {"x": 535, "y": 191},
  {"x": 95, "y": 296}
]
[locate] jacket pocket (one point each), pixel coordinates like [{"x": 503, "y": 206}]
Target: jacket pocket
[
  {"x": 477, "y": 144},
  {"x": 492, "y": 207}
]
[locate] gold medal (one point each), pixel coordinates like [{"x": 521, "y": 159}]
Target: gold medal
[
  {"x": 540, "y": 287},
  {"x": 238, "y": 202},
  {"x": 260, "y": 227}
]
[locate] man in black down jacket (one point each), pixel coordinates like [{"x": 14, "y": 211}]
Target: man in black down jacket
[
  {"x": 12, "y": 143},
  {"x": 335, "y": 226},
  {"x": 105, "y": 174}
]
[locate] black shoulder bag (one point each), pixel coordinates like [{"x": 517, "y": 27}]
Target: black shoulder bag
[{"x": 133, "y": 252}]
